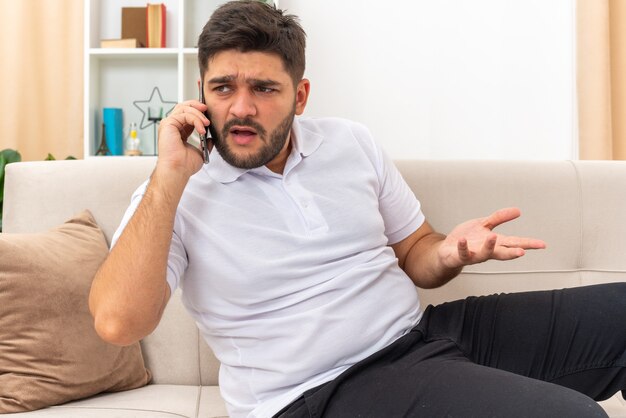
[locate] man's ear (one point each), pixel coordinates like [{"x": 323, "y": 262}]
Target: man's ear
[{"x": 302, "y": 95}]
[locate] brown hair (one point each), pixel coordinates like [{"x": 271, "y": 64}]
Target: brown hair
[{"x": 254, "y": 26}]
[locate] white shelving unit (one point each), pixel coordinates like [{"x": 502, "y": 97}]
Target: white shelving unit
[{"x": 118, "y": 77}]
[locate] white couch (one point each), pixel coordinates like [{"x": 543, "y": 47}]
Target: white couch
[{"x": 578, "y": 208}]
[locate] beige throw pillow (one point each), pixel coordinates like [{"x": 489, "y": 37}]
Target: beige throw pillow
[{"x": 49, "y": 350}]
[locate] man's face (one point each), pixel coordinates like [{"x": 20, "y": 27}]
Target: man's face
[{"x": 252, "y": 102}]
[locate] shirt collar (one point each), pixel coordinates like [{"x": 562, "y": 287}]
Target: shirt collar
[
  {"x": 220, "y": 170},
  {"x": 303, "y": 141}
]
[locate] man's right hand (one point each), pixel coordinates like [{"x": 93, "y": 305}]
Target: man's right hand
[
  {"x": 174, "y": 130},
  {"x": 130, "y": 291}
]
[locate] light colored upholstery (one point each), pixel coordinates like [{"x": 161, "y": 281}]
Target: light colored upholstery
[{"x": 576, "y": 207}]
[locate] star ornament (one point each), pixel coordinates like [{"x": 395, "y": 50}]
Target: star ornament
[{"x": 154, "y": 109}]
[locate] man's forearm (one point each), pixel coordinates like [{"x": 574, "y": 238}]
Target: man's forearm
[{"x": 130, "y": 291}]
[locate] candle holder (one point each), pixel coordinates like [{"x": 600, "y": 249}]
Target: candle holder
[
  {"x": 148, "y": 118},
  {"x": 155, "y": 121}
]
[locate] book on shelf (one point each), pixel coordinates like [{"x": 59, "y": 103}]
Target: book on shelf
[
  {"x": 119, "y": 43},
  {"x": 134, "y": 24},
  {"x": 155, "y": 25}
]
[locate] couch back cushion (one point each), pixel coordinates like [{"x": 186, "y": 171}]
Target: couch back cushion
[{"x": 575, "y": 206}]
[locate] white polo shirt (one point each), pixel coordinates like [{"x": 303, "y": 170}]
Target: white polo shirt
[{"x": 290, "y": 277}]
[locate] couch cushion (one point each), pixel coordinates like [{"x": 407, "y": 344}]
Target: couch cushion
[
  {"x": 103, "y": 185},
  {"x": 176, "y": 353},
  {"x": 49, "y": 351},
  {"x": 152, "y": 401}
]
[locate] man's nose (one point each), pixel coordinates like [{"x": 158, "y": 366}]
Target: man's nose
[{"x": 243, "y": 105}]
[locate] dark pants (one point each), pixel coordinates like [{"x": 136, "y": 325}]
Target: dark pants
[{"x": 532, "y": 354}]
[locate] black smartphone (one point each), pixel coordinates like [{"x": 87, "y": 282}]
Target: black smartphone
[{"x": 203, "y": 138}]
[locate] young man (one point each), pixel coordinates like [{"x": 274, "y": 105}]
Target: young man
[{"x": 286, "y": 242}]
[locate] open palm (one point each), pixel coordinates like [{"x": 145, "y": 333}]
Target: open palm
[{"x": 474, "y": 241}]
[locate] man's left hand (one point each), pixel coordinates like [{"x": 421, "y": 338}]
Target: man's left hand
[{"x": 474, "y": 241}]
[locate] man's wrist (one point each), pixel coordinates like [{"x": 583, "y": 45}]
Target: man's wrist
[{"x": 168, "y": 182}]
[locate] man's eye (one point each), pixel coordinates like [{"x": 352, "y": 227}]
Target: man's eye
[
  {"x": 222, "y": 89},
  {"x": 265, "y": 89}
]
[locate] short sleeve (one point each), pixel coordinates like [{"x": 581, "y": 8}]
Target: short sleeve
[{"x": 400, "y": 209}]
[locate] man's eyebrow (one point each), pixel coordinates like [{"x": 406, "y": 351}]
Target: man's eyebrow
[
  {"x": 257, "y": 82},
  {"x": 221, "y": 79},
  {"x": 263, "y": 83}
]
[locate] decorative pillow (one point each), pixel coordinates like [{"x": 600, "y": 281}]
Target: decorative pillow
[{"x": 49, "y": 350}]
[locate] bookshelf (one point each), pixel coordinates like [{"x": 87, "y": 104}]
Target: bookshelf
[{"x": 118, "y": 77}]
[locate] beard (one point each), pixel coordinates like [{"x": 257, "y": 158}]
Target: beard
[{"x": 272, "y": 144}]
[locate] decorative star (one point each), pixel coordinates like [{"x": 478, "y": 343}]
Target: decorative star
[{"x": 158, "y": 106}]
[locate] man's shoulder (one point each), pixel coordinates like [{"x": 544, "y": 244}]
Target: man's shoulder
[
  {"x": 334, "y": 128},
  {"x": 341, "y": 135},
  {"x": 328, "y": 123}
]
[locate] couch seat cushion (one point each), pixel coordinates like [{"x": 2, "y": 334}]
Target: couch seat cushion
[{"x": 152, "y": 401}]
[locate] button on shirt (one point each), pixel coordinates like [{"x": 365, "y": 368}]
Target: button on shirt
[{"x": 290, "y": 276}]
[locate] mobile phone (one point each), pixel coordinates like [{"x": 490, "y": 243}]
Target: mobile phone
[{"x": 203, "y": 138}]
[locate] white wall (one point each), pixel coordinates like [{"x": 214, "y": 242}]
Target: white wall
[{"x": 447, "y": 78}]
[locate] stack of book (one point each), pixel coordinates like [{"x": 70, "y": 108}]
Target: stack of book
[{"x": 142, "y": 27}]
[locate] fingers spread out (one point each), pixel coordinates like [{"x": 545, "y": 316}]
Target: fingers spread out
[{"x": 496, "y": 247}]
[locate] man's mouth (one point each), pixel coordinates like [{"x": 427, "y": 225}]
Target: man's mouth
[{"x": 242, "y": 135}]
